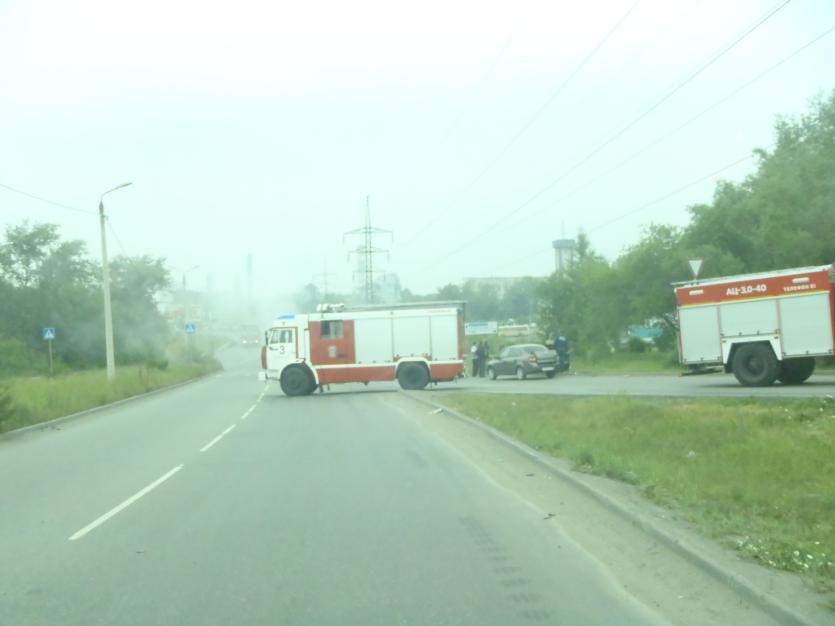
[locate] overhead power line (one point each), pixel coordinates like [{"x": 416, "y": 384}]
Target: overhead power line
[
  {"x": 645, "y": 205},
  {"x": 678, "y": 128},
  {"x": 491, "y": 67},
  {"x": 46, "y": 200},
  {"x": 622, "y": 130},
  {"x": 672, "y": 193},
  {"x": 116, "y": 237},
  {"x": 527, "y": 125}
]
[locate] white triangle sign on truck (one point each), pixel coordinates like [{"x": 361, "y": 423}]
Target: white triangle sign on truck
[{"x": 695, "y": 266}]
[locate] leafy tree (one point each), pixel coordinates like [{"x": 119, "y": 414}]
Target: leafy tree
[
  {"x": 585, "y": 303},
  {"x": 25, "y": 250},
  {"x": 140, "y": 331},
  {"x": 45, "y": 281},
  {"x": 781, "y": 215}
]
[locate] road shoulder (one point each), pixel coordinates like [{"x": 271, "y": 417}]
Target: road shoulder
[{"x": 785, "y": 597}]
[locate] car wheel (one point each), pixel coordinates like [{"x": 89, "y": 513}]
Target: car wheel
[
  {"x": 491, "y": 373},
  {"x": 296, "y": 381},
  {"x": 520, "y": 374},
  {"x": 551, "y": 374}
]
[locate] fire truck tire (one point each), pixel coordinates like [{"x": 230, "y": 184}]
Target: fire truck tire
[
  {"x": 796, "y": 371},
  {"x": 413, "y": 376},
  {"x": 755, "y": 365},
  {"x": 297, "y": 381}
]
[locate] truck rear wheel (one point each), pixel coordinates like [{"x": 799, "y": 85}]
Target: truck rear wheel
[
  {"x": 796, "y": 371},
  {"x": 413, "y": 376},
  {"x": 296, "y": 381},
  {"x": 755, "y": 365}
]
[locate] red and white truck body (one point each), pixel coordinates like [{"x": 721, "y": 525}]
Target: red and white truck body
[
  {"x": 412, "y": 344},
  {"x": 763, "y": 327}
]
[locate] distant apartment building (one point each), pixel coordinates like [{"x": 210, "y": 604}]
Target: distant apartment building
[{"x": 500, "y": 283}]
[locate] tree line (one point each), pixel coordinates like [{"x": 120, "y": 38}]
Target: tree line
[
  {"x": 46, "y": 281},
  {"x": 780, "y": 216}
]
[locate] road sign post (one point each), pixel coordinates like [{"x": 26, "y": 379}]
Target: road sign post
[
  {"x": 191, "y": 330},
  {"x": 49, "y": 336},
  {"x": 695, "y": 267}
]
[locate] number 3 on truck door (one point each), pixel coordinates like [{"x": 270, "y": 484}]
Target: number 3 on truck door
[{"x": 283, "y": 341}]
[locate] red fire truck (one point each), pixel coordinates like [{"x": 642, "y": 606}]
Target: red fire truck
[
  {"x": 762, "y": 327},
  {"x": 413, "y": 344}
]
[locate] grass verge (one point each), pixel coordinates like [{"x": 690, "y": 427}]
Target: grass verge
[
  {"x": 756, "y": 475},
  {"x": 26, "y": 401},
  {"x": 623, "y": 363}
]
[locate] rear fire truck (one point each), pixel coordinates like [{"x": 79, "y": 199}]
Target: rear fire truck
[
  {"x": 413, "y": 344},
  {"x": 762, "y": 327}
]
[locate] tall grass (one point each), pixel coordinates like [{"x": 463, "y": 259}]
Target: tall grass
[
  {"x": 760, "y": 476},
  {"x": 25, "y": 401}
]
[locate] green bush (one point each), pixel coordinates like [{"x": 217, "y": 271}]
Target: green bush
[
  {"x": 16, "y": 359},
  {"x": 635, "y": 345}
]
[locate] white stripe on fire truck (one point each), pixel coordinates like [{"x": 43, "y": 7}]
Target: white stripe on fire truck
[
  {"x": 793, "y": 294},
  {"x": 344, "y": 365}
]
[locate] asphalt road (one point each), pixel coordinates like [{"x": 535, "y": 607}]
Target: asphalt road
[
  {"x": 225, "y": 503},
  {"x": 704, "y": 385}
]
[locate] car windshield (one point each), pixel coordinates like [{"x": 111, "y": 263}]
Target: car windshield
[{"x": 371, "y": 312}]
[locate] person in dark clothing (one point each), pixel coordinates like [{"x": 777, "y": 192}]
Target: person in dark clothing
[
  {"x": 561, "y": 347},
  {"x": 482, "y": 358}
]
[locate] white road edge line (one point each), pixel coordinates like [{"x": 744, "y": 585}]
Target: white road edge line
[
  {"x": 250, "y": 410},
  {"x": 216, "y": 439},
  {"x": 101, "y": 520}
]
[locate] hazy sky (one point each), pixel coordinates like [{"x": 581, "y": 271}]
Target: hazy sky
[{"x": 260, "y": 127}]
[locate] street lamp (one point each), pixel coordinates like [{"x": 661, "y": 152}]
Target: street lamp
[{"x": 105, "y": 270}]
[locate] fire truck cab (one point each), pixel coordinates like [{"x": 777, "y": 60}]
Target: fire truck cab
[
  {"x": 762, "y": 327},
  {"x": 413, "y": 344}
]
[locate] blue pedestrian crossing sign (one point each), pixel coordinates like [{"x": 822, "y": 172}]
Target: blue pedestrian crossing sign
[
  {"x": 48, "y": 333},
  {"x": 191, "y": 328}
]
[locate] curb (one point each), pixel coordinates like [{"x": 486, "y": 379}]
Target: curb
[
  {"x": 66, "y": 418},
  {"x": 763, "y": 600}
]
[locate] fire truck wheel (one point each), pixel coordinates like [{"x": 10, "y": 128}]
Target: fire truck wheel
[
  {"x": 413, "y": 376},
  {"x": 296, "y": 381},
  {"x": 755, "y": 365},
  {"x": 796, "y": 371}
]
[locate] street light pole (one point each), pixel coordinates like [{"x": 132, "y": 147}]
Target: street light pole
[{"x": 105, "y": 271}]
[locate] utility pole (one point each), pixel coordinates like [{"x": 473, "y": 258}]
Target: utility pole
[
  {"x": 110, "y": 356},
  {"x": 366, "y": 251}
]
